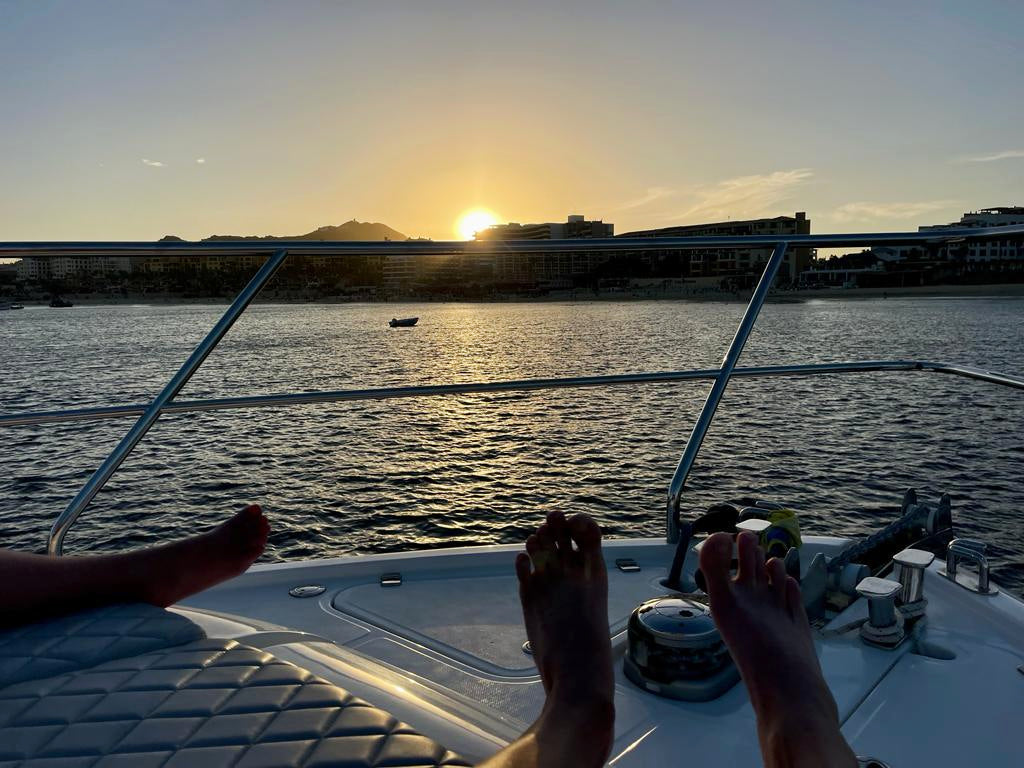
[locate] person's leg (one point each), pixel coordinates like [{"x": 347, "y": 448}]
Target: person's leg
[
  {"x": 761, "y": 616},
  {"x": 564, "y": 592},
  {"x": 35, "y": 587}
]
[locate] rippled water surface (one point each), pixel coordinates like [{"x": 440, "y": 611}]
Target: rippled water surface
[{"x": 375, "y": 476}]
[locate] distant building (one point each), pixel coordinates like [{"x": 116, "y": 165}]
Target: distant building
[
  {"x": 848, "y": 271},
  {"x": 196, "y": 263},
  {"x": 739, "y": 262},
  {"x": 574, "y": 226},
  {"x": 37, "y": 268},
  {"x": 1005, "y": 249},
  {"x": 553, "y": 268}
]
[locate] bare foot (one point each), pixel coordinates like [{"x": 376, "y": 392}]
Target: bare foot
[
  {"x": 565, "y": 608},
  {"x": 172, "y": 572},
  {"x": 761, "y": 616}
]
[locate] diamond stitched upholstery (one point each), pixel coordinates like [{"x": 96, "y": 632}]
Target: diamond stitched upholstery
[
  {"x": 85, "y": 639},
  {"x": 207, "y": 703}
]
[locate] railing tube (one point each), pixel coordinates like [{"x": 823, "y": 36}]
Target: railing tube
[
  {"x": 55, "y": 543},
  {"x": 707, "y": 413}
]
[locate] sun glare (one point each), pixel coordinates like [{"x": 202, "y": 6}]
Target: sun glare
[{"x": 472, "y": 221}]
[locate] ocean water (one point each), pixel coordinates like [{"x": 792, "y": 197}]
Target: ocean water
[{"x": 476, "y": 469}]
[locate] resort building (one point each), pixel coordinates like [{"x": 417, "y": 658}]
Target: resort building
[
  {"x": 1007, "y": 249},
  {"x": 743, "y": 265},
  {"x": 574, "y": 226},
  {"x": 35, "y": 269},
  {"x": 550, "y": 269}
]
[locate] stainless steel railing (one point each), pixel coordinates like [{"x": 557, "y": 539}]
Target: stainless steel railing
[
  {"x": 513, "y": 385},
  {"x": 165, "y": 401}
]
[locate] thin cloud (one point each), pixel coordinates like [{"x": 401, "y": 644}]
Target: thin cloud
[
  {"x": 200, "y": 160},
  {"x": 746, "y": 196},
  {"x": 860, "y": 211},
  {"x": 152, "y": 163},
  {"x": 1009, "y": 154},
  {"x": 652, "y": 194}
]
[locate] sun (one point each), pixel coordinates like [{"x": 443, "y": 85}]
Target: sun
[{"x": 472, "y": 221}]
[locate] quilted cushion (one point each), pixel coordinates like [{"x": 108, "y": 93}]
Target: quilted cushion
[
  {"x": 85, "y": 639},
  {"x": 208, "y": 703}
]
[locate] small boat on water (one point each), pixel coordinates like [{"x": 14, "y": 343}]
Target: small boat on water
[
  {"x": 59, "y": 303},
  {"x": 403, "y": 322},
  {"x": 8, "y": 305}
]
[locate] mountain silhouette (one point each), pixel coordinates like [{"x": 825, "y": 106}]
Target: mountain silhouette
[{"x": 350, "y": 230}]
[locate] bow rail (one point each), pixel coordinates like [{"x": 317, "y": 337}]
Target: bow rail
[{"x": 278, "y": 250}]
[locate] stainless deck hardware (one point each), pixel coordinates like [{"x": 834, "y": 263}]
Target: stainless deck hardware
[
  {"x": 527, "y": 648},
  {"x": 627, "y": 565},
  {"x": 307, "y": 590},
  {"x": 972, "y": 551},
  {"x": 391, "y": 580},
  {"x": 814, "y": 586},
  {"x": 908, "y": 569},
  {"x": 755, "y": 525},
  {"x": 884, "y": 626}
]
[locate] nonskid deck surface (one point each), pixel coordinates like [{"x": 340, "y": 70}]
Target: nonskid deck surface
[{"x": 443, "y": 651}]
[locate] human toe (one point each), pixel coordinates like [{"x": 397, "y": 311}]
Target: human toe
[
  {"x": 715, "y": 562},
  {"x": 750, "y": 559},
  {"x": 775, "y": 570},
  {"x": 585, "y": 532}
]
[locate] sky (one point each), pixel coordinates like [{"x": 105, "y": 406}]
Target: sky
[{"x": 133, "y": 120}]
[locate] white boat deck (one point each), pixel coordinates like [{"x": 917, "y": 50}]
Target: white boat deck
[{"x": 443, "y": 652}]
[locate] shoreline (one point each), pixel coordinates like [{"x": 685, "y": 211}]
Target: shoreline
[{"x": 996, "y": 290}]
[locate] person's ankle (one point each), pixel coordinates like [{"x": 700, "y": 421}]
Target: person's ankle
[
  {"x": 582, "y": 703},
  {"x": 582, "y": 727},
  {"x": 801, "y": 736}
]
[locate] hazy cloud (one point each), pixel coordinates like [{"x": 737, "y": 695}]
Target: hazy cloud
[
  {"x": 746, "y": 196},
  {"x": 652, "y": 194},
  {"x": 152, "y": 163},
  {"x": 995, "y": 156},
  {"x": 867, "y": 210},
  {"x": 200, "y": 160}
]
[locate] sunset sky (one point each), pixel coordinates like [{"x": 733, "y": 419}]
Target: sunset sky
[{"x": 132, "y": 120}]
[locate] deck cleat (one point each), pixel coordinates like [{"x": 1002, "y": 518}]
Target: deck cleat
[
  {"x": 675, "y": 650},
  {"x": 884, "y": 626},
  {"x": 908, "y": 569}
]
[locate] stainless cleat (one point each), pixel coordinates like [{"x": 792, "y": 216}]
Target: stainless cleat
[
  {"x": 908, "y": 569},
  {"x": 884, "y": 626}
]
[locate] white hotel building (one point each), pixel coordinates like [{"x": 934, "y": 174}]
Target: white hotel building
[{"x": 1007, "y": 249}]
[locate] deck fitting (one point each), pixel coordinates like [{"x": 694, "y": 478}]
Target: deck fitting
[{"x": 307, "y": 590}]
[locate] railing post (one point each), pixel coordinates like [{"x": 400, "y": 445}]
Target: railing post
[
  {"x": 55, "y": 543},
  {"x": 707, "y": 412}
]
